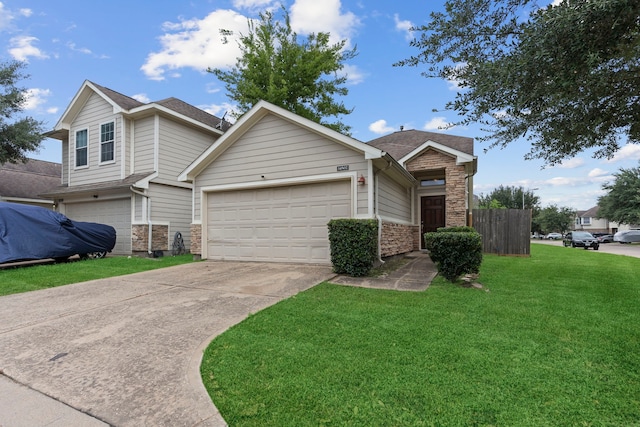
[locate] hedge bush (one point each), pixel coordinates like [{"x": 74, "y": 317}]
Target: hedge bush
[
  {"x": 455, "y": 252},
  {"x": 354, "y": 245}
]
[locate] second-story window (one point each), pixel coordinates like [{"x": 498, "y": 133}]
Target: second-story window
[
  {"x": 107, "y": 142},
  {"x": 81, "y": 148}
]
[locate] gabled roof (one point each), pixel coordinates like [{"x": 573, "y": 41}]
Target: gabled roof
[
  {"x": 28, "y": 180},
  {"x": 260, "y": 110},
  {"x": 399, "y": 144},
  {"x": 407, "y": 144},
  {"x": 128, "y": 106},
  {"x": 590, "y": 213}
]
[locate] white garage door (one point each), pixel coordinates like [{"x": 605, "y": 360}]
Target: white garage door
[
  {"x": 116, "y": 213},
  {"x": 282, "y": 224}
]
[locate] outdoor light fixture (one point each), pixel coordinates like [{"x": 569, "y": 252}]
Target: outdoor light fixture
[{"x": 361, "y": 180}]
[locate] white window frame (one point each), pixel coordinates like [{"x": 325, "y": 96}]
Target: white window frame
[
  {"x": 75, "y": 149},
  {"x": 112, "y": 141}
]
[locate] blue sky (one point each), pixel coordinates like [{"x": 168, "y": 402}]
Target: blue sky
[{"x": 152, "y": 50}]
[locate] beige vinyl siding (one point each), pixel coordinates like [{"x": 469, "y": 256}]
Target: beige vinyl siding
[
  {"x": 278, "y": 149},
  {"x": 179, "y": 146},
  {"x": 138, "y": 200},
  {"x": 143, "y": 145},
  {"x": 94, "y": 113},
  {"x": 393, "y": 199},
  {"x": 66, "y": 162},
  {"x": 172, "y": 205}
]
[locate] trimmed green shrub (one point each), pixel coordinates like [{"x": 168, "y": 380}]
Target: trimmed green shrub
[
  {"x": 354, "y": 245},
  {"x": 457, "y": 229},
  {"x": 455, "y": 253}
]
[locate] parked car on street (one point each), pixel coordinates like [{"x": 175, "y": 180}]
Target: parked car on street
[
  {"x": 31, "y": 233},
  {"x": 580, "y": 239},
  {"x": 606, "y": 238},
  {"x": 554, "y": 236},
  {"x": 628, "y": 236}
]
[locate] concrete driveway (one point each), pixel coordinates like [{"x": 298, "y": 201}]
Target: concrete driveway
[{"x": 127, "y": 350}]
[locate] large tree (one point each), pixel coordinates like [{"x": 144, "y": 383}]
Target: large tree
[
  {"x": 622, "y": 202},
  {"x": 509, "y": 197},
  {"x": 301, "y": 75},
  {"x": 565, "y": 77},
  {"x": 554, "y": 218},
  {"x": 22, "y": 135}
]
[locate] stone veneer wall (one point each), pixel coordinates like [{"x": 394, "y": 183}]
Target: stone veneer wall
[
  {"x": 140, "y": 238},
  {"x": 398, "y": 239},
  {"x": 455, "y": 186},
  {"x": 196, "y": 239}
]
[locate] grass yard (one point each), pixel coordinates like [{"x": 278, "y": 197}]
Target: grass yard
[
  {"x": 552, "y": 340},
  {"x": 32, "y": 278}
]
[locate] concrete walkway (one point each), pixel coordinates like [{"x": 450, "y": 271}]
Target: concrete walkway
[{"x": 126, "y": 351}]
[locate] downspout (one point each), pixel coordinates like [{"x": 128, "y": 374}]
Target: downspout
[
  {"x": 150, "y": 235},
  {"x": 377, "y": 215}
]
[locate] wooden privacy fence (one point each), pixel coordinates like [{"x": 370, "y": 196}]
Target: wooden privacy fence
[{"x": 504, "y": 231}]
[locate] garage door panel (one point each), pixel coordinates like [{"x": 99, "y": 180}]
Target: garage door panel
[
  {"x": 287, "y": 224},
  {"x": 116, "y": 213}
]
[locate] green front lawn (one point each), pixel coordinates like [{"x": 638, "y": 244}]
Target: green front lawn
[
  {"x": 552, "y": 340},
  {"x": 32, "y": 278}
]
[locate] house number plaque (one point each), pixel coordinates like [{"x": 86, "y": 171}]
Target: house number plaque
[{"x": 343, "y": 168}]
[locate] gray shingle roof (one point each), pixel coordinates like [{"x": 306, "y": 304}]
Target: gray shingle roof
[
  {"x": 195, "y": 113},
  {"x": 28, "y": 180},
  {"x": 61, "y": 190},
  {"x": 173, "y": 104},
  {"x": 124, "y": 101},
  {"x": 399, "y": 144}
]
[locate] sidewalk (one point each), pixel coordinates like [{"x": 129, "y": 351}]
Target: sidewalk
[{"x": 415, "y": 275}]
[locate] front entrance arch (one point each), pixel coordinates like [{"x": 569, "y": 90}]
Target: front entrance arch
[{"x": 432, "y": 215}]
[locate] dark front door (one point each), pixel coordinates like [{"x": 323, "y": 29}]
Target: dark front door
[{"x": 432, "y": 215}]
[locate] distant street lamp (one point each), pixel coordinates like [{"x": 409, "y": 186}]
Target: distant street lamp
[{"x": 530, "y": 189}]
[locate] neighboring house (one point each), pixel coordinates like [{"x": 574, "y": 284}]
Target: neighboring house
[
  {"x": 265, "y": 190},
  {"x": 120, "y": 163},
  {"x": 588, "y": 221},
  {"x": 24, "y": 182}
]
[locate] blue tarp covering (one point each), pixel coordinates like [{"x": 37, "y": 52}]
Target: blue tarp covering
[{"x": 31, "y": 232}]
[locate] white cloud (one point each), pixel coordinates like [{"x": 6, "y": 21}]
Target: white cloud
[
  {"x": 354, "y": 75},
  {"x": 380, "y": 127},
  {"x": 252, "y": 4},
  {"x": 438, "y": 123},
  {"x": 73, "y": 47},
  {"x": 597, "y": 172},
  {"x": 52, "y": 110},
  {"x": 196, "y": 44},
  {"x": 404, "y": 26},
  {"x": 314, "y": 16},
  {"x": 26, "y": 12},
  {"x": 142, "y": 97},
  {"x": 572, "y": 163},
  {"x": 22, "y": 48},
  {"x": 629, "y": 151},
  {"x": 34, "y": 98},
  {"x": 5, "y": 17},
  {"x": 229, "y": 111}
]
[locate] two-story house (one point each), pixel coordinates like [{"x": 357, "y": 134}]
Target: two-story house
[
  {"x": 120, "y": 163},
  {"x": 262, "y": 189},
  {"x": 589, "y": 221}
]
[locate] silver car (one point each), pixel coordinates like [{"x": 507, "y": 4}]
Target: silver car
[{"x": 628, "y": 236}]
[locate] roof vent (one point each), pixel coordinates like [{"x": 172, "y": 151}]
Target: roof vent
[{"x": 401, "y": 128}]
